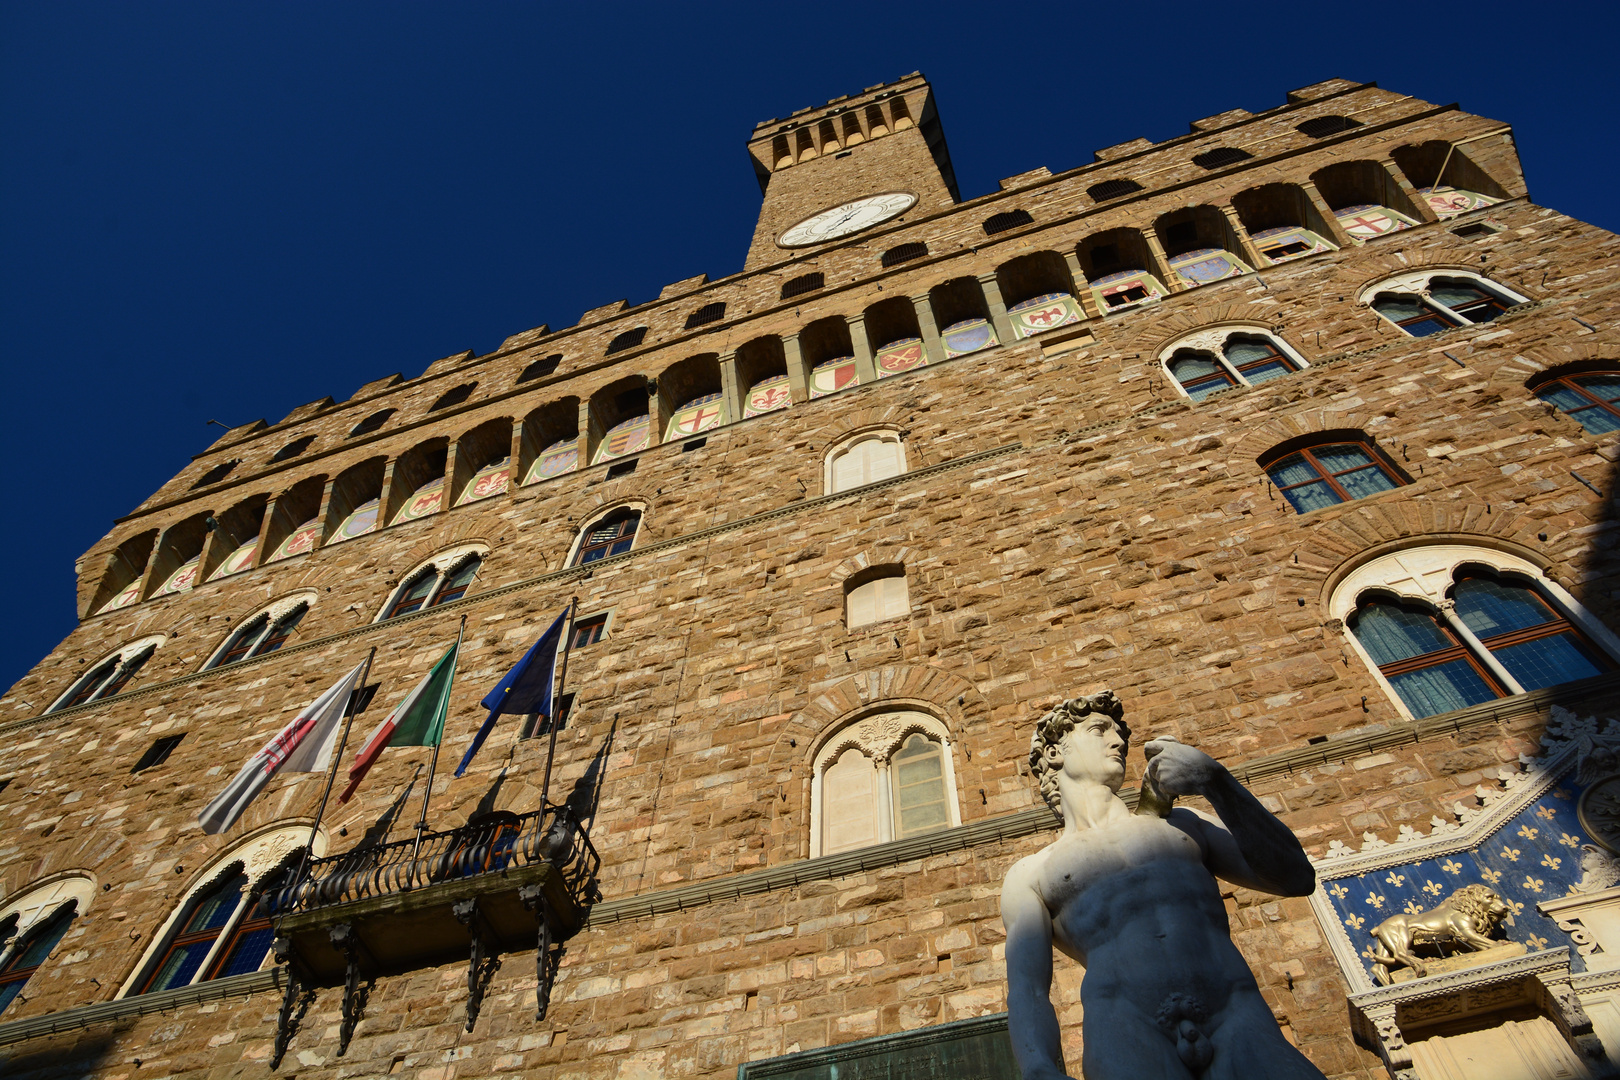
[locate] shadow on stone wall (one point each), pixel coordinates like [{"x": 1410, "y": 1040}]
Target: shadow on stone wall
[{"x": 66, "y": 1058}]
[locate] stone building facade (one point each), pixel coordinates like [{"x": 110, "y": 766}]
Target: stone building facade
[{"x": 1292, "y": 430}]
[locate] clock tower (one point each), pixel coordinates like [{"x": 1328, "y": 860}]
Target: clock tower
[{"x": 852, "y": 164}]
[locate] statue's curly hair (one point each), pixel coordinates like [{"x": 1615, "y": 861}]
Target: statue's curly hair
[
  {"x": 1474, "y": 903},
  {"x": 1058, "y": 722}
]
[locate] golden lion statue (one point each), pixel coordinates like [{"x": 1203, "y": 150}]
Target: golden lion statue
[{"x": 1466, "y": 917}]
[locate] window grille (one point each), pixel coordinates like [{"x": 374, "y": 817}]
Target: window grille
[
  {"x": 1112, "y": 189},
  {"x": 904, "y": 253},
  {"x": 541, "y": 367},
  {"x": 454, "y": 397},
  {"x": 216, "y": 474},
  {"x": 1320, "y": 127},
  {"x": 1011, "y": 219},
  {"x": 708, "y": 313},
  {"x": 371, "y": 423},
  {"x": 1221, "y": 155},
  {"x": 627, "y": 340},
  {"x": 292, "y": 449},
  {"x": 802, "y": 284}
]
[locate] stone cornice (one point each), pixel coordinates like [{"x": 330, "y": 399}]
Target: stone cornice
[{"x": 103, "y": 1012}]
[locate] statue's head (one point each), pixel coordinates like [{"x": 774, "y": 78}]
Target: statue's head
[{"x": 1084, "y": 738}]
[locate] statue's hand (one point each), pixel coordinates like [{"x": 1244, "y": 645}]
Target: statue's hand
[{"x": 1178, "y": 770}]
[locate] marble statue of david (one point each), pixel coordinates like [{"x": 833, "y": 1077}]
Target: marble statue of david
[{"x": 1132, "y": 898}]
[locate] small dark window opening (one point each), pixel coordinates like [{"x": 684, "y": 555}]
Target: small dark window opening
[
  {"x": 802, "y": 284},
  {"x": 1112, "y": 189},
  {"x": 5, "y": 783},
  {"x": 693, "y": 444},
  {"x": 1221, "y": 155},
  {"x": 589, "y": 631},
  {"x": 1473, "y": 228},
  {"x": 454, "y": 397},
  {"x": 362, "y": 697},
  {"x": 158, "y": 753},
  {"x": 293, "y": 449},
  {"x": 1129, "y": 296},
  {"x": 627, "y": 340},
  {"x": 611, "y": 536},
  {"x": 539, "y": 725},
  {"x": 216, "y": 474},
  {"x": 541, "y": 367},
  {"x": 371, "y": 423},
  {"x": 622, "y": 468},
  {"x": 1011, "y": 219},
  {"x": 1104, "y": 257},
  {"x": 1320, "y": 127},
  {"x": 708, "y": 313},
  {"x": 904, "y": 253}
]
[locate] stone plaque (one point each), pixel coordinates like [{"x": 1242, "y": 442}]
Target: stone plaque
[{"x": 975, "y": 1049}]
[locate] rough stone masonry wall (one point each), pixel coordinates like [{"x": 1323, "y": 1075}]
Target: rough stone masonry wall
[{"x": 1130, "y": 542}]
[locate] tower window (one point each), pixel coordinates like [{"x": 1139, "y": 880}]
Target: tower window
[
  {"x": 708, "y": 313},
  {"x": 1010, "y": 219},
  {"x": 216, "y": 474},
  {"x": 371, "y": 423},
  {"x": 1593, "y": 399},
  {"x": 802, "y": 284},
  {"x": 157, "y": 753},
  {"x": 260, "y": 635},
  {"x": 434, "y": 585},
  {"x": 882, "y": 778},
  {"x": 454, "y": 396},
  {"x": 33, "y": 951},
  {"x": 1243, "y": 360},
  {"x": 629, "y": 339},
  {"x": 904, "y": 253},
  {"x": 228, "y": 929},
  {"x": 293, "y": 449},
  {"x": 108, "y": 677},
  {"x": 1324, "y": 475},
  {"x": 1221, "y": 155},
  {"x": 589, "y": 631},
  {"x": 1112, "y": 189},
  {"x": 877, "y": 595},
  {"x": 1320, "y": 127},
  {"x": 540, "y": 368}
]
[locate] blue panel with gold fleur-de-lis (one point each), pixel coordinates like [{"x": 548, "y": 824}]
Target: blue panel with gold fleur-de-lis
[{"x": 1535, "y": 856}]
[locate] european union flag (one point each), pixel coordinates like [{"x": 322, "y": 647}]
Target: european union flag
[{"x": 523, "y": 690}]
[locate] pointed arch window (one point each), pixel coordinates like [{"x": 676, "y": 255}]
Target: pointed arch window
[
  {"x": 1243, "y": 359},
  {"x": 226, "y": 930},
  {"x": 613, "y": 535},
  {"x": 865, "y": 459},
  {"x": 108, "y": 677},
  {"x": 1424, "y": 304},
  {"x": 260, "y": 635},
  {"x": 1593, "y": 399},
  {"x": 436, "y": 584},
  {"x": 1480, "y": 634},
  {"x": 886, "y": 777},
  {"x": 30, "y": 950}
]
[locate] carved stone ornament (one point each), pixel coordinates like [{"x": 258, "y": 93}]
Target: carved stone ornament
[{"x": 1599, "y": 811}]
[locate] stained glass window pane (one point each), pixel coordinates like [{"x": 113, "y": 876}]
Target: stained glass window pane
[
  {"x": 1266, "y": 372},
  {"x": 1606, "y": 387},
  {"x": 248, "y": 953},
  {"x": 1308, "y": 497},
  {"x": 1490, "y": 607},
  {"x": 180, "y": 966},
  {"x": 1391, "y": 633},
  {"x": 1364, "y": 482},
  {"x": 919, "y": 781},
  {"x": 215, "y": 910},
  {"x": 1442, "y": 688},
  {"x": 1549, "y": 661},
  {"x": 1338, "y": 458},
  {"x": 1241, "y": 352},
  {"x": 1293, "y": 469}
]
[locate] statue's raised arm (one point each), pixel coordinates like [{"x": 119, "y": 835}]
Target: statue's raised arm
[{"x": 1166, "y": 994}]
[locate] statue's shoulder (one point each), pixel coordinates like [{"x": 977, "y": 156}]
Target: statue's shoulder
[{"x": 1028, "y": 872}]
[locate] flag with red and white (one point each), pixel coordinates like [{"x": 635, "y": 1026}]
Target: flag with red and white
[
  {"x": 418, "y": 720},
  {"x": 304, "y": 745}
]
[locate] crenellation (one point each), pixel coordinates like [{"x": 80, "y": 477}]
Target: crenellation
[{"x": 1066, "y": 440}]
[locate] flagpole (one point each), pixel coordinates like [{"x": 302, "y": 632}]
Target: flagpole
[
  {"x": 556, "y": 705},
  {"x": 337, "y": 763},
  {"x": 433, "y": 764}
]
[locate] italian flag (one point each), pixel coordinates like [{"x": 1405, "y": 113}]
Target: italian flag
[{"x": 416, "y": 721}]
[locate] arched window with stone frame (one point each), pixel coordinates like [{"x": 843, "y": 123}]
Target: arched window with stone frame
[
  {"x": 876, "y": 594},
  {"x": 222, "y": 925},
  {"x": 610, "y": 534},
  {"x": 1226, "y": 357},
  {"x": 33, "y": 923},
  {"x": 1589, "y": 394},
  {"x": 110, "y": 674},
  {"x": 444, "y": 578},
  {"x": 264, "y": 631},
  {"x": 864, "y": 458},
  {"x": 1432, "y": 301},
  {"x": 885, "y": 776},
  {"x": 1446, "y": 626}
]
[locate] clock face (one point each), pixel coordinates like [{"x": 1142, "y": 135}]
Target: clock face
[{"x": 851, "y": 217}]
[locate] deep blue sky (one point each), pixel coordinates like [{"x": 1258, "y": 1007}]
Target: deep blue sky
[{"x": 225, "y": 210}]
